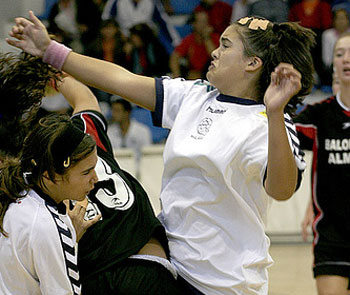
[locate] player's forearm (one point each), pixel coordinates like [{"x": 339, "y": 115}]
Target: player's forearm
[{"x": 282, "y": 171}]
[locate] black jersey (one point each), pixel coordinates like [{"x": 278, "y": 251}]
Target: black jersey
[
  {"x": 324, "y": 128},
  {"x": 128, "y": 220}
]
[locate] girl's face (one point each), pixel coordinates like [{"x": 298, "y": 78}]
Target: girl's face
[
  {"x": 341, "y": 59},
  {"x": 228, "y": 62},
  {"x": 341, "y": 21},
  {"x": 79, "y": 180}
]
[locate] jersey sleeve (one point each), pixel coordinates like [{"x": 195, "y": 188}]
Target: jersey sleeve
[
  {"x": 95, "y": 124},
  {"x": 306, "y": 125},
  {"x": 54, "y": 258},
  {"x": 170, "y": 94},
  {"x": 294, "y": 143}
]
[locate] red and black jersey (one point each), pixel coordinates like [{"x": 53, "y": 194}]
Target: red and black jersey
[
  {"x": 128, "y": 220},
  {"x": 324, "y": 128}
]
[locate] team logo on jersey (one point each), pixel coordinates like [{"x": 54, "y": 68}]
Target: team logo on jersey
[
  {"x": 204, "y": 126},
  {"x": 346, "y": 125},
  {"x": 111, "y": 189},
  {"x": 215, "y": 111}
]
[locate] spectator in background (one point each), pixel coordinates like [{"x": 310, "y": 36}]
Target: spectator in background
[
  {"x": 195, "y": 49},
  {"x": 108, "y": 45},
  {"x": 145, "y": 55},
  {"x": 240, "y": 9},
  {"x": 329, "y": 37},
  {"x": 125, "y": 132},
  {"x": 132, "y": 12},
  {"x": 273, "y": 10},
  {"x": 219, "y": 14},
  {"x": 315, "y": 15},
  {"x": 75, "y": 21}
]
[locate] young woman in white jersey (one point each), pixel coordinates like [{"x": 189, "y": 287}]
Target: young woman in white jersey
[
  {"x": 37, "y": 238},
  {"x": 230, "y": 138}
]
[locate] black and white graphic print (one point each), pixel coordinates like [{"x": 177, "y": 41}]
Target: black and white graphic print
[{"x": 69, "y": 251}]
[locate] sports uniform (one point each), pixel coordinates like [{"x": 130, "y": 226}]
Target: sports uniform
[
  {"x": 39, "y": 255},
  {"x": 107, "y": 251},
  {"x": 214, "y": 165},
  {"x": 324, "y": 128}
]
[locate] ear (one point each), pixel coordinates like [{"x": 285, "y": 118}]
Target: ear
[{"x": 254, "y": 63}]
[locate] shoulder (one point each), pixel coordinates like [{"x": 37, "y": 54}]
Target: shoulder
[{"x": 29, "y": 213}]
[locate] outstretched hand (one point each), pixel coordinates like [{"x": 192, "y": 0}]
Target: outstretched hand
[
  {"x": 30, "y": 35},
  {"x": 77, "y": 216},
  {"x": 285, "y": 83}
]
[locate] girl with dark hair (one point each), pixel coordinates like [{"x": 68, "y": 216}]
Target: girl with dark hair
[
  {"x": 145, "y": 55},
  {"x": 231, "y": 138},
  {"x": 37, "y": 238}
]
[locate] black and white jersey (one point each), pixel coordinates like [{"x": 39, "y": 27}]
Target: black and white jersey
[
  {"x": 324, "y": 128},
  {"x": 128, "y": 220},
  {"x": 39, "y": 256}
]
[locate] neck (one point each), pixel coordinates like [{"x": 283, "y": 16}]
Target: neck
[
  {"x": 48, "y": 188},
  {"x": 344, "y": 96},
  {"x": 124, "y": 126}
]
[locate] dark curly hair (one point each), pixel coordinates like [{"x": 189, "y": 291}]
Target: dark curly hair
[{"x": 23, "y": 82}]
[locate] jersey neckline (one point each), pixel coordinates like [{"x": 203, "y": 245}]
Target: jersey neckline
[{"x": 237, "y": 100}]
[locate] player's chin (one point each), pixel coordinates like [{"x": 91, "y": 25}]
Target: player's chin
[
  {"x": 209, "y": 76},
  {"x": 82, "y": 197}
]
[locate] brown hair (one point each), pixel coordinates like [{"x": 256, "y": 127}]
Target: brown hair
[
  {"x": 275, "y": 43},
  {"x": 23, "y": 82},
  {"x": 37, "y": 156}
]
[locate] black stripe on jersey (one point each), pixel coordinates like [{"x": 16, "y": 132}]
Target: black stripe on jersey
[
  {"x": 294, "y": 138},
  {"x": 69, "y": 252}
]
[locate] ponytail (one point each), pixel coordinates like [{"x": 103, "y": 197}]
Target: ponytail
[
  {"x": 12, "y": 186},
  {"x": 275, "y": 43}
]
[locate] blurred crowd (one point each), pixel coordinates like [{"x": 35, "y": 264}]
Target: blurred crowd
[{"x": 142, "y": 36}]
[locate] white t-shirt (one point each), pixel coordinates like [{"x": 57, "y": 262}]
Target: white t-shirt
[
  {"x": 212, "y": 208},
  {"x": 39, "y": 255},
  {"x": 137, "y": 137}
]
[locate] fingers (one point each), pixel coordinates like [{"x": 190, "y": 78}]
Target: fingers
[
  {"x": 22, "y": 22},
  {"x": 34, "y": 19},
  {"x": 15, "y": 43},
  {"x": 93, "y": 221},
  {"x": 287, "y": 70}
]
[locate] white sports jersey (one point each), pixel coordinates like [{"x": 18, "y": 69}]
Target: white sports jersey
[
  {"x": 212, "y": 207},
  {"x": 39, "y": 255}
]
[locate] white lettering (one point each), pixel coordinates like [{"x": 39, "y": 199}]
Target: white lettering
[
  {"x": 331, "y": 158},
  {"x": 339, "y": 158},
  {"x": 337, "y": 144},
  {"x": 346, "y": 158},
  {"x": 327, "y": 144}
]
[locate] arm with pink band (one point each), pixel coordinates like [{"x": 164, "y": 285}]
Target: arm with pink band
[{"x": 56, "y": 54}]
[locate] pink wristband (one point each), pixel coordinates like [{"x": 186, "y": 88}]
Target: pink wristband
[{"x": 56, "y": 54}]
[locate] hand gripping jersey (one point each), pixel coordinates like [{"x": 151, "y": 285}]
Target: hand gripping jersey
[
  {"x": 214, "y": 165},
  {"x": 128, "y": 221},
  {"x": 324, "y": 128},
  {"x": 39, "y": 256}
]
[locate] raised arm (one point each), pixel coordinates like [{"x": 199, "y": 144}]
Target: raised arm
[
  {"x": 78, "y": 95},
  {"x": 32, "y": 37},
  {"x": 282, "y": 172}
]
